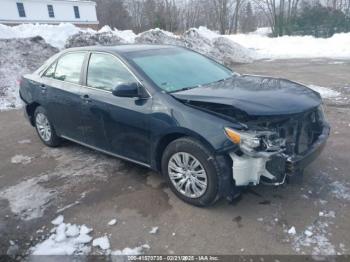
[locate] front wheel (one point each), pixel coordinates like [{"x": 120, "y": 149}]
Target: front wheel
[
  {"x": 191, "y": 171},
  {"x": 45, "y": 129}
]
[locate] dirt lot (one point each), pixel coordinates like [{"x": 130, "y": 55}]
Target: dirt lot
[{"x": 91, "y": 188}]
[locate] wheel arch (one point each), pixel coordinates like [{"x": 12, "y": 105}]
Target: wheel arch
[
  {"x": 30, "y": 109},
  {"x": 169, "y": 137}
]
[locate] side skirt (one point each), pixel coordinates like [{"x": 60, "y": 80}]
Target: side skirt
[{"x": 107, "y": 152}]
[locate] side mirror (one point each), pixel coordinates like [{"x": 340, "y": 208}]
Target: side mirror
[{"x": 127, "y": 90}]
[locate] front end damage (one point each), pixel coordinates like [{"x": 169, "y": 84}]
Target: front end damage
[{"x": 273, "y": 149}]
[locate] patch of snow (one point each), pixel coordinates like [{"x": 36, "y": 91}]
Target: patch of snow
[
  {"x": 292, "y": 231},
  {"x": 101, "y": 242},
  {"x": 24, "y": 141},
  {"x": 262, "y": 31},
  {"x": 288, "y": 47},
  {"x": 68, "y": 206},
  {"x": 112, "y": 222},
  {"x": 314, "y": 239},
  {"x": 340, "y": 191},
  {"x": 21, "y": 159},
  {"x": 58, "y": 220},
  {"x": 131, "y": 251},
  {"x": 207, "y": 33},
  {"x": 28, "y": 199},
  {"x": 154, "y": 230},
  {"x": 67, "y": 239},
  {"x": 324, "y": 91},
  {"x": 308, "y": 233},
  {"x": 330, "y": 214}
]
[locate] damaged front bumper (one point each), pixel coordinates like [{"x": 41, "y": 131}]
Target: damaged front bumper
[{"x": 273, "y": 167}]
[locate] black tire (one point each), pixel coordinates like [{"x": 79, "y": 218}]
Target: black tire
[
  {"x": 54, "y": 140},
  {"x": 208, "y": 162}
]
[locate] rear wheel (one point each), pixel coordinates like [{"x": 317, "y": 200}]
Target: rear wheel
[
  {"x": 191, "y": 172},
  {"x": 45, "y": 129}
]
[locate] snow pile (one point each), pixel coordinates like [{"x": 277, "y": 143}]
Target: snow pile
[
  {"x": 105, "y": 36},
  {"x": 324, "y": 91},
  {"x": 158, "y": 36},
  {"x": 203, "y": 41},
  {"x": 66, "y": 239},
  {"x": 88, "y": 39},
  {"x": 18, "y": 57},
  {"x": 287, "y": 47},
  {"x": 55, "y": 35}
]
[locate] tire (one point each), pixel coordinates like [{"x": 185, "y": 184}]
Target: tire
[
  {"x": 45, "y": 129},
  {"x": 191, "y": 150}
]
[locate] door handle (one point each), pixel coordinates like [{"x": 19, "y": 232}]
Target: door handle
[{"x": 86, "y": 98}]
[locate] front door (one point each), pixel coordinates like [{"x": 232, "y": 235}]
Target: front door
[{"x": 120, "y": 125}]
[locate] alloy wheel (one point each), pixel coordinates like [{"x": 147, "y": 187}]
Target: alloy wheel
[
  {"x": 187, "y": 175},
  {"x": 43, "y": 127}
]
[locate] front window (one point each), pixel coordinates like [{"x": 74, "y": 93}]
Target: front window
[
  {"x": 106, "y": 72},
  {"x": 21, "y": 11},
  {"x": 174, "y": 69}
]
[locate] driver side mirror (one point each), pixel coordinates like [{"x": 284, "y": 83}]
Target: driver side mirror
[{"x": 129, "y": 90}]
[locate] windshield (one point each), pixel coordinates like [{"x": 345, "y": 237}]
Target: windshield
[{"x": 174, "y": 69}]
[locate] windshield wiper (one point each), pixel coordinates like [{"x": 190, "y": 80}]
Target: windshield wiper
[{"x": 183, "y": 89}]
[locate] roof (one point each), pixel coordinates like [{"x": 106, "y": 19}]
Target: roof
[{"x": 124, "y": 48}]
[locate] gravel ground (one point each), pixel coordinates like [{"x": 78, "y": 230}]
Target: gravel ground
[{"x": 38, "y": 183}]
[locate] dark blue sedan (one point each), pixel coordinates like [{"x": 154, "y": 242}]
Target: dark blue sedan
[{"x": 208, "y": 130}]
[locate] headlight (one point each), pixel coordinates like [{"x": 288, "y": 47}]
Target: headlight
[{"x": 247, "y": 141}]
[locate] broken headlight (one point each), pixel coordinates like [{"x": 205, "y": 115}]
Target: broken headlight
[{"x": 267, "y": 141}]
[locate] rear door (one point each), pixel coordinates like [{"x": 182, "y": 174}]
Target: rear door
[
  {"x": 61, "y": 86},
  {"x": 119, "y": 125}
]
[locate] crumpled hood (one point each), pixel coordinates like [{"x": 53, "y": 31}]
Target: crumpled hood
[{"x": 256, "y": 95}]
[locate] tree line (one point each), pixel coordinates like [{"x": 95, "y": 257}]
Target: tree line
[{"x": 285, "y": 17}]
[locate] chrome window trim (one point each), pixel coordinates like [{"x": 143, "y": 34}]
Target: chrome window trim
[{"x": 85, "y": 86}]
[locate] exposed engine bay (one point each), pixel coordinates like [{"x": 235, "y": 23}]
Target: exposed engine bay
[{"x": 269, "y": 143}]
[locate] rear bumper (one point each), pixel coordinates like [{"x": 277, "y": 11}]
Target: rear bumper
[{"x": 274, "y": 167}]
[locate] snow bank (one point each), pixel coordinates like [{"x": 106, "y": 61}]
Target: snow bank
[
  {"x": 18, "y": 57},
  {"x": 203, "y": 41},
  {"x": 55, "y": 35},
  {"x": 287, "y": 47}
]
